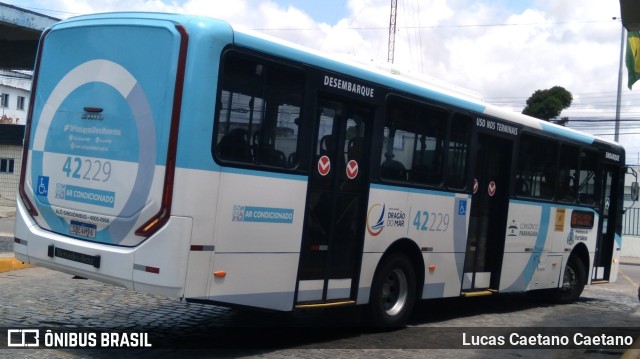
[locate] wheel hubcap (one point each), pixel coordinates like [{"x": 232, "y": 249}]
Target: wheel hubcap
[
  {"x": 569, "y": 280},
  {"x": 394, "y": 292}
]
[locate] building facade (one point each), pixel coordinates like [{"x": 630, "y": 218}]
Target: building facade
[
  {"x": 14, "y": 96},
  {"x": 15, "y": 88},
  {"x": 11, "y": 139}
]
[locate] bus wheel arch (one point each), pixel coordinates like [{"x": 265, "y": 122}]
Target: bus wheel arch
[
  {"x": 396, "y": 284},
  {"x": 575, "y": 275}
]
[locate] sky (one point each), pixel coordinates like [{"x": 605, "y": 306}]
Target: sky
[{"x": 503, "y": 49}]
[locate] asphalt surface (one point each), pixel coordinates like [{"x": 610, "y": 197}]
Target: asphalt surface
[{"x": 40, "y": 298}]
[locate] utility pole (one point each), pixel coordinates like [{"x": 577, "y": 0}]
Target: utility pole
[
  {"x": 392, "y": 30},
  {"x": 619, "y": 98}
]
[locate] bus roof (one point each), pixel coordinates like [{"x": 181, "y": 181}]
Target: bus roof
[{"x": 384, "y": 75}]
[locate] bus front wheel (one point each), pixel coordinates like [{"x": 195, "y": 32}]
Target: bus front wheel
[{"x": 393, "y": 292}]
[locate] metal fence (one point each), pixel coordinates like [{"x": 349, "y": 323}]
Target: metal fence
[
  {"x": 631, "y": 222},
  {"x": 10, "y": 163}
]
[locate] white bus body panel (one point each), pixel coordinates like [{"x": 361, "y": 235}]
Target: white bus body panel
[
  {"x": 256, "y": 236},
  {"x": 615, "y": 261},
  {"x": 163, "y": 250},
  {"x": 201, "y": 206},
  {"x": 436, "y": 221},
  {"x": 538, "y": 242}
]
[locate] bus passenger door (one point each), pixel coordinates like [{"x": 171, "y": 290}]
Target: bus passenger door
[
  {"x": 605, "y": 252},
  {"x": 489, "y": 207},
  {"x": 333, "y": 234}
]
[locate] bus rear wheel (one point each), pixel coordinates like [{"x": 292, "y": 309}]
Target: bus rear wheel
[
  {"x": 573, "y": 282},
  {"x": 393, "y": 292}
]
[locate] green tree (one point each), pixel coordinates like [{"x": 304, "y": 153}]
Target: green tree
[{"x": 548, "y": 104}]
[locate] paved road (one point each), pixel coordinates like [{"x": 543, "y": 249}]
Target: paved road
[{"x": 41, "y": 298}]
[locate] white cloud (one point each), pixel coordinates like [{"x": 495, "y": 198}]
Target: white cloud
[{"x": 575, "y": 45}]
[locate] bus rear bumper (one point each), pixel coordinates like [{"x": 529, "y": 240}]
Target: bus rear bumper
[{"x": 156, "y": 266}]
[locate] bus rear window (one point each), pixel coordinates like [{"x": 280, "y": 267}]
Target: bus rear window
[{"x": 257, "y": 112}]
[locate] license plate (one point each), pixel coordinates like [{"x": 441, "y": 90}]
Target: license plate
[{"x": 82, "y": 229}]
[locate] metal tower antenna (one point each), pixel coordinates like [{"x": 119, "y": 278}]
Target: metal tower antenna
[{"x": 392, "y": 30}]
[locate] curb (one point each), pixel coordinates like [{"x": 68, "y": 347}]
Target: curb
[{"x": 10, "y": 263}]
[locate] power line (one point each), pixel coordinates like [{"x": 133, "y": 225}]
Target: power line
[
  {"x": 612, "y": 134},
  {"x": 48, "y": 10},
  {"x": 420, "y": 27},
  {"x": 603, "y": 120}
]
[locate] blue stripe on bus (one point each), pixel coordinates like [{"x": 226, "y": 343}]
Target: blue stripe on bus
[
  {"x": 522, "y": 282},
  {"x": 557, "y": 205},
  {"x": 577, "y": 136},
  {"x": 525, "y": 277},
  {"x": 411, "y": 190}
]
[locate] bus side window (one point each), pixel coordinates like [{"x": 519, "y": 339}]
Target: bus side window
[
  {"x": 428, "y": 158},
  {"x": 394, "y": 162},
  {"x": 588, "y": 177},
  {"x": 567, "y": 170},
  {"x": 458, "y": 151},
  {"x": 536, "y": 175},
  {"x": 263, "y": 100},
  {"x": 414, "y": 144},
  {"x": 234, "y": 146}
]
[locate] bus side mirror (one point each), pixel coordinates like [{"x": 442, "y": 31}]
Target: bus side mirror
[{"x": 634, "y": 191}]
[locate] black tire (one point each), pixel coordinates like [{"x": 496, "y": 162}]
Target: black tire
[
  {"x": 573, "y": 282},
  {"x": 393, "y": 292}
]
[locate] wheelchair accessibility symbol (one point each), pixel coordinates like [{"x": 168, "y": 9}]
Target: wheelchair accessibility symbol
[
  {"x": 43, "y": 186},
  {"x": 462, "y": 208}
]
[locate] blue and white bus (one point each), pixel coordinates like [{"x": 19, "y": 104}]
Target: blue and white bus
[{"x": 181, "y": 156}]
